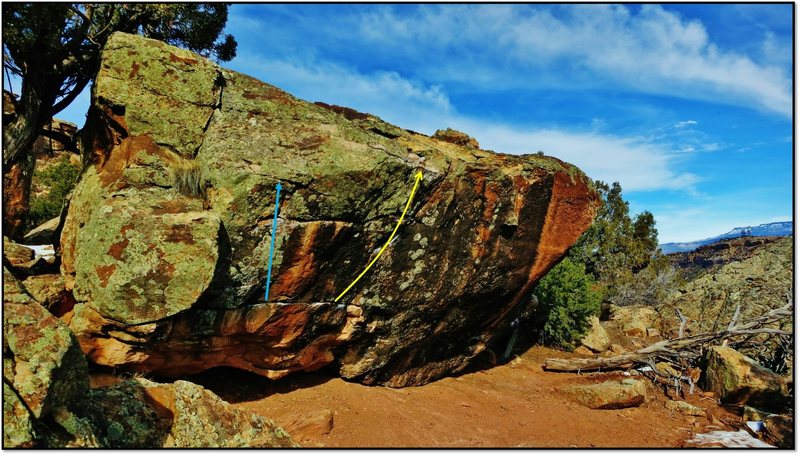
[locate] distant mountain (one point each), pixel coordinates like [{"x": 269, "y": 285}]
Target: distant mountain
[{"x": 781, "y": 228}]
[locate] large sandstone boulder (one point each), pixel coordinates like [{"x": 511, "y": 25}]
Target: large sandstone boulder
[
  {"x": 16, "y": 254},
  {"x": 44, "y": 233},
  {"x": 738, "y": 379},
  {"x": 167, "y": 234}
]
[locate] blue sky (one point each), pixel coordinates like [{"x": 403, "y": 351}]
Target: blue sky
[{"x": 689, "y": 107}]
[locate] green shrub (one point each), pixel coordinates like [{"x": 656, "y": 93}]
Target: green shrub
[
  {"x": 60, "y": 178},
  {"x": 566, "y": 301}
]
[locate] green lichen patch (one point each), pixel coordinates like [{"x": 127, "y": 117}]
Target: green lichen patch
[{"x": 141, "y": 258}]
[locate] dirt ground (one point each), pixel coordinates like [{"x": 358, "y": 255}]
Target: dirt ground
[{"x": 512, "y": 405}]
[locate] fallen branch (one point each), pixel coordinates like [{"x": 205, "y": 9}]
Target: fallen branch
[{"x": 674, "y": 348}]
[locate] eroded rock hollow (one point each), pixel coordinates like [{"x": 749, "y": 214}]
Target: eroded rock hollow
[{"x": 167, "y": 235}]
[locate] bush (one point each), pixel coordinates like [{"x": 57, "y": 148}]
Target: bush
[
  {"x": 566, "y": 301},
  {"x": 60, "y": 178}
]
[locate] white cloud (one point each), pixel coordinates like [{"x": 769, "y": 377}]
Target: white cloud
[
  {"x": 637, "y": 165},
  {"x": 652, "y": 50},
  {"x": 685, "y": 123},
  {"x": 384, "y": 93}
]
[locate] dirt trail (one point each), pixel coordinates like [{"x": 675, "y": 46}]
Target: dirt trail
[{"x": 512, "y": 405}]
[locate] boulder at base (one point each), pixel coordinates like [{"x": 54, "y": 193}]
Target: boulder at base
[
  {"x": 168, "y": 232},
  {"x": 44, "y": 370},
  {"x": 628, "y": 393},
  {"x": 738, "y": 379},
  {"x": 197, "y": 417}
]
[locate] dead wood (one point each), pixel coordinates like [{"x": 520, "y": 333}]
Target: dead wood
[{"x": 677, "y": 348}]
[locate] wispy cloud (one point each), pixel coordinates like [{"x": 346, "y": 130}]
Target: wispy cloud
[
  {"x": 652, "y": 50},
  {"x": 385, "y": 93},
  {"x": 637, "y": 165},
  {"x": 684, "y": 123}
]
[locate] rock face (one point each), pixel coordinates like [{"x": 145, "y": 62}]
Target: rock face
[
  {"x": 737, "y": 379},
  {"x": 167, "y": 235},
  {"x": 627, "y": 393},
  {"x": 713, "y": 256}
]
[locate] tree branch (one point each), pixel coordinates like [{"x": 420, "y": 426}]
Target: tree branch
[{"x": 70, "y": 97}]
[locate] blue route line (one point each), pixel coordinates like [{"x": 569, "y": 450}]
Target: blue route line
[{"x": 272, "y": 243}]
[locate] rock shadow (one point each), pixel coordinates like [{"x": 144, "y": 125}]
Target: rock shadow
[{"x": 236, "y": 386}]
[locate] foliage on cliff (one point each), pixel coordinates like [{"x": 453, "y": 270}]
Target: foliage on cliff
[{"x": 59, "y": 179}]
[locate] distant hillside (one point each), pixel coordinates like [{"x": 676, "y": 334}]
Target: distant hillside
[
  {"x": 709, "y": 258},
  {"x": 752, "y": 273},
  {"x": 780, "y": 228}
]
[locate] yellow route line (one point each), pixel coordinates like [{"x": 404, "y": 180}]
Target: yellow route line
[{"x": 418, "y": 177}]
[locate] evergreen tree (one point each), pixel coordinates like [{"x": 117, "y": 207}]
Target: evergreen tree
[{"x": 566, "y": 299}]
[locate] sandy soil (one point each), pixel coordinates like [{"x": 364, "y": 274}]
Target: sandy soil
[{"x": 512, "y": 405}]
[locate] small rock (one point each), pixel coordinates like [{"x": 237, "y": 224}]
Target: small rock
[
  {"x": 617, "y": 349},
  {"x": 15, "y": 253},
  {"x": 750, "y": 413},
  {"x": 584, "y": 351},
  {"x": 596, "y": 338},
  {"x": 651, "y": 332},
  {"x": 708, "y": 394},
  {"x": 627, "y": 393},
  {"x": 666, "y": 369},
  {"x": 43, "y": 234},
  {"x": 685, "y": 408},
  {"x": 312, "y": 425},
  {"x": 456, "y": 137}
]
